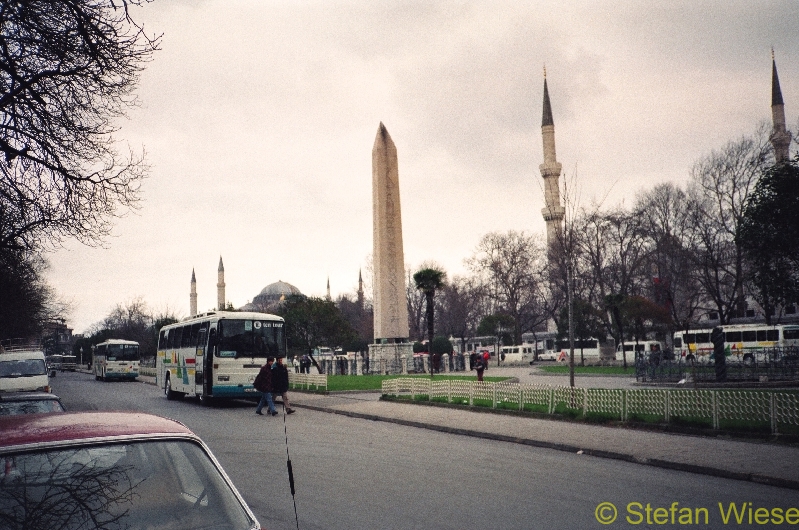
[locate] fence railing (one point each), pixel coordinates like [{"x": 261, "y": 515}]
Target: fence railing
[
  {"x": 711, "y": 407},
  {"x": 767, "y": 364},
  {"x": 305, "y": 381}
]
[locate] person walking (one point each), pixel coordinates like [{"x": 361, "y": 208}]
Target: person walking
[
  {"x": 480, "y": 366},
  {"x": 280, "y": 383},
  {"x": 263, "y": 384}
]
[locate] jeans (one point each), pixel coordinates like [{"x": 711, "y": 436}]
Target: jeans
[{"x": 266, "y": 398}]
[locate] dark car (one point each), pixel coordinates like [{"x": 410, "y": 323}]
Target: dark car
[
  {"x": 13, "y": 403},
  {"x": 92, "y": 470}
]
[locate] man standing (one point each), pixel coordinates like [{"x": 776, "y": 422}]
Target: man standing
[
  {"x": 280, "y": 383},
  {"x": 263, "y": 383}
]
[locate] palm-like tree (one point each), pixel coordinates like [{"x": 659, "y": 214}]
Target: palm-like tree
[{"x": 428, "y": 280}]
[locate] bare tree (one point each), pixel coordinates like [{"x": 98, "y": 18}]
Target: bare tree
[
  {"x": 67, "y": 73},
  {"x": 459, "y": 308},
  {"x": 720, "y": 187},
  {"x": 666, "y": 215},
  {"x": 511, "y": 268}
]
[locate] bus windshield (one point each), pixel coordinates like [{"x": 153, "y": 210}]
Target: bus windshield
[
  {"x": 251, "y": 338},
  {"x": 122, "y": 352}
]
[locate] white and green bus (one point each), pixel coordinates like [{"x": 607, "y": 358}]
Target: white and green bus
[
  {"x": 217, "y": 354},
  {"x": 116, "y": 359}
]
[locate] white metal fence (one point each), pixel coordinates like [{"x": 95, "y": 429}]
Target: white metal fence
[
  {"x": 318, "y": 381},
  {"x": 777, "y": 409}
]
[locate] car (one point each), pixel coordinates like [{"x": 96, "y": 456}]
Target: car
[
  {"x": 23, "y": 370},
  {"x": 13, "y": 403},
  {"x": 92, "y": 470}
]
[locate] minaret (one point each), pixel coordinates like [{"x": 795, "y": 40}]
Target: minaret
[
  {"x": 550, "y": 170},
  {"x": 780, "y": 137},
  {"x": 220, "y": 286},
  {"x": 193, "y": 295},
  {"x": 360, "y": 290},
  {"x": 327, "y": 297}
]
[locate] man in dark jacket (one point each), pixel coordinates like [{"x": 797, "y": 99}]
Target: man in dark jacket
[
  {"x": 280, "y": 383},
  {"x": 263, "y": 383}
]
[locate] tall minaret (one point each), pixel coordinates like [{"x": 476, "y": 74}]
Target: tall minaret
[
  {"x": 327, "y": 297},
  {"x": 360, "y": 290},
  {"x": 220, "y": 286},
  {"x": 193, "y": 295},
  {"x": 550, "y": 171},
  {"x": 780, "y": 137}
]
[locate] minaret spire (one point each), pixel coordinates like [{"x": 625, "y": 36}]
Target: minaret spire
[
  {"x": 780, "y": 136},
  {"x": 220, "y": 286},
  {"x": 328, "y": 289},
  {"x": 553, "y": 212},
  {"x": 193, "y": 295}
]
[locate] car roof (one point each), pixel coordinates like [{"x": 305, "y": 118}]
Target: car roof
[
  {"x": 29, "y": 429},
  {"x": 27, "y": 396}
]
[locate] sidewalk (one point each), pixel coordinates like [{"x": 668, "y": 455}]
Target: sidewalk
[{"x": 764, "y": 463}]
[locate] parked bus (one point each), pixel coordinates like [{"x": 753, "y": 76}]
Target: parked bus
[
  {"x": 741, "y": 341},
  {"x": 559, "y": 350},
  {"x": 217, "y": 354},
  {"x": 116, "y": 359}
]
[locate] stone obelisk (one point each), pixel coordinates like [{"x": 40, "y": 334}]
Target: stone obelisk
[{"x": 390, "y": 306}]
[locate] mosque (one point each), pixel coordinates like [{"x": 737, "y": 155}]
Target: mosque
[{"x": 265, "y": 301}]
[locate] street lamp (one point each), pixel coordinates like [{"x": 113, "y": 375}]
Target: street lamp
[{"x": 500, "y": 331}]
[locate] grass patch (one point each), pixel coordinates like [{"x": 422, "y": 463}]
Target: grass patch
[{"x": 599, "y": 370}]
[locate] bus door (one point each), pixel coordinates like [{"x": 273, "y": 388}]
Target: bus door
[
  {"x": 208, "y": 361},
  {"x": 200, "y": 335}
]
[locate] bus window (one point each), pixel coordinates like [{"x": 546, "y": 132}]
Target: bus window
[
  {"x": 677, "y": 342},
  {"x": 749, "y": 336},
  {"x": 790, "y": 334},
  {"x": 162, "y": 339},
  {"x": 186, "y": 341},
  {"x": 201, "y": 335},
  {"x": 733, "y": 336}
]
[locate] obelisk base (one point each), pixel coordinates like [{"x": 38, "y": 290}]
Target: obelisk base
[{"x": 390, "y": 358}]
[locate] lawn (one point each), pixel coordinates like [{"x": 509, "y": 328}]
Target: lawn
[
  {"x": 598, "y": 370},
  {"x": 338, "y": 383}
]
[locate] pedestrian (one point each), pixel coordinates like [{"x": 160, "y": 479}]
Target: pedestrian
[
  {"x": 263, "y": 384},
  {"x": 472, "y": 359},
  {"x": 486, "y": 358},
  {"x": 280, "y": 383},
  {"x": 479, "y": 365}
]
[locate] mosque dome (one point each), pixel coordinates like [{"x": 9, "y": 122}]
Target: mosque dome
[{"x": 278, "y": 289}]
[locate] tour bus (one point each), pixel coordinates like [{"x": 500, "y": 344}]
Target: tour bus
[
  {"x": 641, "y": 348},
  {"x": 559, "y": 350},
  {"x": 116, "y": 359},
  {"x": 217, "y": 354},
  {"x": 741, "y": 341}
]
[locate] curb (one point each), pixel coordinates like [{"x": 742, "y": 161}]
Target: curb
[{"x": 663, "y": 464}]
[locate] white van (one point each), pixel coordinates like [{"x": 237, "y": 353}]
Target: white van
[
  {"x": 517, "y": 354},
  {"x": 23, "y": 370},
  {"x": 642, "y": 347}
]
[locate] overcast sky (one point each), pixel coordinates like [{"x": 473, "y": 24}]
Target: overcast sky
[{"x": 258, "y": 120}]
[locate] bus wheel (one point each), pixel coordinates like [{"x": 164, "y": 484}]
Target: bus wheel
[
  {"x": 206, "y": 401},
  {"x": 749, "y": 359},
  {"x": 170, "y": 394}
]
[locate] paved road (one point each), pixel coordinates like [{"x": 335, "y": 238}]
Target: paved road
[{"x": 398, "y": 472}]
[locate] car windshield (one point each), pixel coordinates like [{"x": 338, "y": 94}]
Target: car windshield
[
  {"x": 30, "y": 406},
  {"x": 161, "y": 485},
  {"x": 251, "y": 338},
  {"x": 22, "y": 368}
]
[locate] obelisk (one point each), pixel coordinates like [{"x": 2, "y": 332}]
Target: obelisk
[{"x": 390, "y": 306}]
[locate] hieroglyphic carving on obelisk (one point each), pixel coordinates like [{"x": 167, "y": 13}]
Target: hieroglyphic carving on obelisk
[{"x": 390, "y": 306}]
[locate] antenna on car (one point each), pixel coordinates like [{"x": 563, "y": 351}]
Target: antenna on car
[{"x": 288, "y": 465}]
